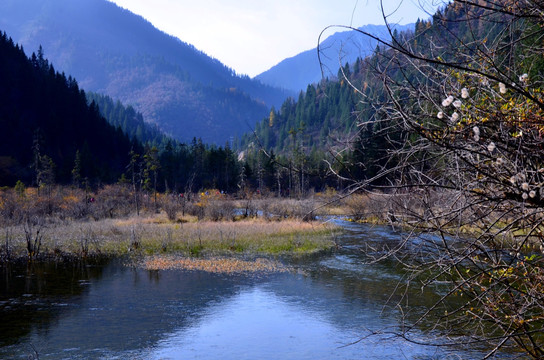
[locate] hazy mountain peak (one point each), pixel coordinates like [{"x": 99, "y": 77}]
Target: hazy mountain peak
[{"x": 297, "y": 72}]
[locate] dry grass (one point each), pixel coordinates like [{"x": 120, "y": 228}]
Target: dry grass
[
  {"x": 157, "y": 235},
  {"x": 74, "y": 222},
  {"x": 213, "y": 265}
]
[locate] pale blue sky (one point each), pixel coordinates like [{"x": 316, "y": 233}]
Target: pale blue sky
[{"x": 251, "y": 36}]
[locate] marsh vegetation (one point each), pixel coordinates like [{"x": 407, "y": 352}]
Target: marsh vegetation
[{"x": 68, "y": 222}]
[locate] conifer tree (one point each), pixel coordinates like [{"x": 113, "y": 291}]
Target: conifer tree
[{"x": 76, "y": 171}]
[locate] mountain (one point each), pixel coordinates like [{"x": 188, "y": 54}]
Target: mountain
[
  {"x": 128, "y": 120},
  {"x": 47, "y": 124},
  {"x": 344, "y": 115},
  {"x": 55, "y": 133},
  {"x": 297, "y": 72},
  {"x": 117, "y": 53}
]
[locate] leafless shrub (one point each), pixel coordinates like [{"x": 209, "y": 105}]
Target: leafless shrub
[
  {"x": 368, "y": 206},
  {"x": 135, "y": 238},
  {"x": 13, "y": 207},
  {"x": 5, "y": 250},
  {"x": 220, "y": 210},
  {"x": 264, "y": 206},
  {"x": 277, "y": 208},
  {"x": 183, "y": 200},
  {"x": 305, "y": 210},
  {"x": 171, "y": 206},
  {"x": 76, "y": 211},
  {"x": 196, "y": 209},
  {"x": 87, "y": 238},
  {"x": 112, "y": 201},
  {"x": 74, "y": 205},
  {"x": 249, "y": 207},
  {"x": 167, "y": 240},
  {"x": 47, "y": 205},
  {"x": 8, "y": 206},
  {"x": 33, "y": 229}
]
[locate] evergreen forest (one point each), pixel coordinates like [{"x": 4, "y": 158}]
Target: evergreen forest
[{"x": 53, "y": 132}]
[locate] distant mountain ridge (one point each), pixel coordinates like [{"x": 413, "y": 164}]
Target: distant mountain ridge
[
  {"x": 297, "y": 72},
  {"x": 112, "y": 51}
]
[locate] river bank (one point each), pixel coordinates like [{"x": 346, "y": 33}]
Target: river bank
[
  {"x": 114, "y": 221},
  {"x": 152, "y": 235}
]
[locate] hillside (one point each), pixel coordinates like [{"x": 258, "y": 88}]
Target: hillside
[
  {"x": 340, "y": 119},
  {"x": 47, "y": 123},
  {"x": 114, "y": 52},
  {"x": 128, "y": 120},
  {"x": 297, "y": 72}
]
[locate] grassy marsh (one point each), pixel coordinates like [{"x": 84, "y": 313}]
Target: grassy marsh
[
  {"x": 114, "y": 221},
  {"x": 157, "y": 235}
]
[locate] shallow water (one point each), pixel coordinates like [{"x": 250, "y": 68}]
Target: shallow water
[{"x": 321, "y": 310}]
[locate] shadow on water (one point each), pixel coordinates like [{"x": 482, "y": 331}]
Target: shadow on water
[
  {"x": 32, "y": 295},
  {"x": 82, "y": 306},
  {"x": 108, "y": 310}
]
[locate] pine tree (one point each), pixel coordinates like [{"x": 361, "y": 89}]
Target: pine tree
[
  {"x": 76, "y": 171},
  {"x": 135, "y": 176},
  {"x": 151, "y": 171}
]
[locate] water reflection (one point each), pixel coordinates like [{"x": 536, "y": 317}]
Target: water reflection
[
  {"x": 108, "y": 311},
  {"x": 258, "y": 324},
  {"x": 33, "y": 295}
]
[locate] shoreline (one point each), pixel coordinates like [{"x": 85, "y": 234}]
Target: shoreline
[{"x": 156, "y": 235}]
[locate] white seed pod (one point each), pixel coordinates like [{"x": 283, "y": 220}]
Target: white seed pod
[
  {"x": 440, "y": 115},
  {"x": 464, "y": 93},
  {"x": 502, "y": 88},
  {"x": 524, "y": 196},
  {"x": 532, "y": 194},
  {"x": 457, "y": 104},
  {"x": 525, "y": 186}
]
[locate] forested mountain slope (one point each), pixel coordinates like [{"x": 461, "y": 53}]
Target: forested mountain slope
[
  {"x": 340, "y": 120},
  {"x": 114, "y": 52},
  {"x": 128, "y": 120},
  {"x": 47, "y": 123}
]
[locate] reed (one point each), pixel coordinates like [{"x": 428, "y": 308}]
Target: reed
[{"x": 157, "y": 235}]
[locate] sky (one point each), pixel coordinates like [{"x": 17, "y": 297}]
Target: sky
[{"x": 251, "y": 36}]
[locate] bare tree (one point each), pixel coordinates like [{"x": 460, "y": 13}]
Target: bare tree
[{"x": 463, "y": 116}]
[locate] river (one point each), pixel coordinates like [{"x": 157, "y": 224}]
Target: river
[{"x": 323, "y": 309}]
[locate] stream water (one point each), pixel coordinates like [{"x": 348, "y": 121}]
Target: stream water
[{"x": 321, "y": 310}]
